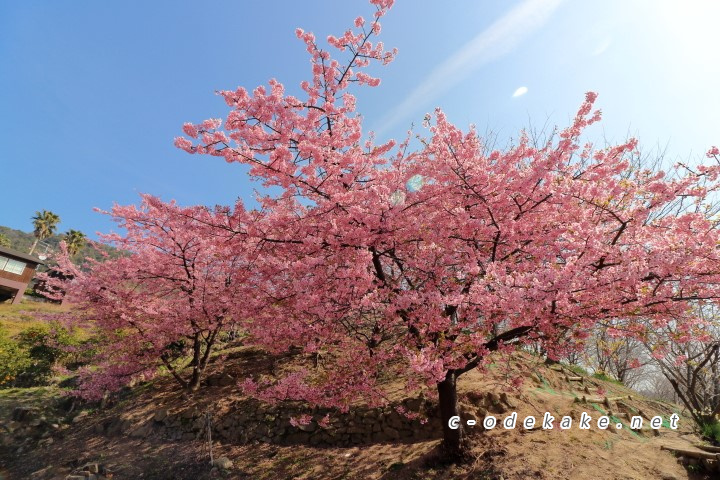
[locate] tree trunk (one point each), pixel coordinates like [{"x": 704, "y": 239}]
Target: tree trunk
[
  {"x": 200, "y": 357},
  {"x": 32, "y": 249},
  {"x": 455, "y": 447},
  {"x": 197, "y": 367},
  {"x": 194, "y": 383}
]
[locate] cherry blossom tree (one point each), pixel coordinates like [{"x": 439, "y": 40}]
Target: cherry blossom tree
[
  {"x": 421, "y": 258},
  {"x": 165, "y": 301}
]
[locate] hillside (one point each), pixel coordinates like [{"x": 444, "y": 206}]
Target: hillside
[
  {"x": 155, "y": 432},
  {"x": 22, "y": 241}
]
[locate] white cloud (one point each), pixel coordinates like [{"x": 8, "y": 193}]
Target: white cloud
[
  {"x": 520, "y": 92},
  {"x": 499, "y": 39}
]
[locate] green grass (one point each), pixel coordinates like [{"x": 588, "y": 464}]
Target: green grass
[
  {"x": 16, "y": 318},
  {"x": 576, "y": 369},
  {"x": 40, "y": 397},
  {"x": 614, "y": 421},
  {"x": 605, "y": 378},
  {"x": 545, "y": 385}
]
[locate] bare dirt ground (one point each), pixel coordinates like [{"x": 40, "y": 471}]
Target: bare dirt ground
[{"x": 508, "y": 454}]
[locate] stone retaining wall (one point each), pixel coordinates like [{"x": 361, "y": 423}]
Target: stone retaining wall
[{"x": 249, "y": 421}]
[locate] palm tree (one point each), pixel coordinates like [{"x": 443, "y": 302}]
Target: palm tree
[
  {"x": 75, "y": 241},
  {"x": 45, "y": 223}
]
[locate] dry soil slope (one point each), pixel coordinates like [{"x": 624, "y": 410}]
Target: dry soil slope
[{"x": 509, "y": 454}]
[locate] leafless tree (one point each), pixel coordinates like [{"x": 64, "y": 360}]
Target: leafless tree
[{"x": 692, "y": 368}]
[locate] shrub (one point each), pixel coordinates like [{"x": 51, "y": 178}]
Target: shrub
[
  {"x": 29, "y": 358},
  {"x": 43, "y": 347},
  {"x": 711, "y": 431},
  {"x": 13, "y": 359},
  {"x": 45, "y": 344}
]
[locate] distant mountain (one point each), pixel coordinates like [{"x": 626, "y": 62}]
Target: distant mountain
[{"x": 22, "y": 241}]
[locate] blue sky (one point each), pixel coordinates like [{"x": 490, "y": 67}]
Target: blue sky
[{"x": 93, "y": 93}]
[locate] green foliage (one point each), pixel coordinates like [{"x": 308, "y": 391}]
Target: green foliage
[
  {"x": 45, "y": 344},
  {"x": 45, "y": 223},
  {"x": 30, "y": 357},
  {"x": 75, "y": 241},
  {"x": 711, "y": 431},
  {"x": 22, "y": 241},
  {"x": 13, "y": 359},
  {"x": 4, "y": 240},
  {"x": 43, "y": 347}
]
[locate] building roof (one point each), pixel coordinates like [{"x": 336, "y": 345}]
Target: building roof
[{"x": 23, "y": 256}]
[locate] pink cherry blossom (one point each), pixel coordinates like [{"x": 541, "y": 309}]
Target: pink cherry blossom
[
  {"x": 175, "y": 288},
  {"x": 534, "y": 243}
]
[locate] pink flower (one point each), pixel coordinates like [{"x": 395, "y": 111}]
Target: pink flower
[
  {"x": 658, "y": 354},
  {"x": 184, "y": 144},
  {"x": 325, "y": 421},
  {"x": 302, "y": 420},
  {"x": 190, "y": 130},
  {"x": 680, "y": 359},
  {"x": 212, "y": 123}
]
